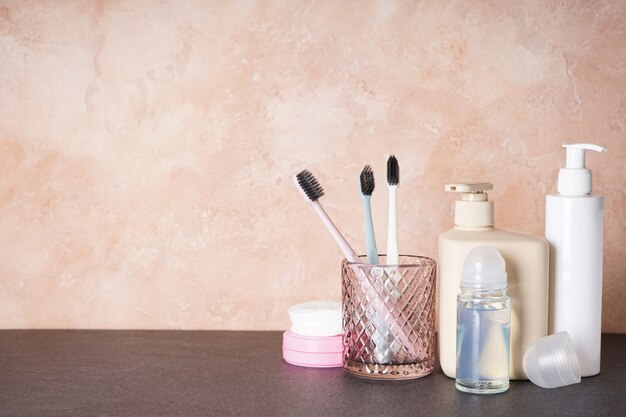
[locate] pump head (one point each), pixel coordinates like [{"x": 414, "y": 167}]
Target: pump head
[
  {"x": 575, "y": 178},
  {"x": 474, "y": 191},
  {"x": 473, "y": 209}
]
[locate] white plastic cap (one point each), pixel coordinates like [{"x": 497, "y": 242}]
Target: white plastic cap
[
  {"x": 316, "y": 318},
  {"x": 551, "y": 362},
  {"x": 575, "y": 178},
  {"x": 484, "y": 268}
]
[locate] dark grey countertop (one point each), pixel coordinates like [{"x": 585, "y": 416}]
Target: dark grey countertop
[{"x": 218, "y": 373}]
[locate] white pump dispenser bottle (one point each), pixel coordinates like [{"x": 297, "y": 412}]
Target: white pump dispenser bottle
[{"x": 574, "y": 229}]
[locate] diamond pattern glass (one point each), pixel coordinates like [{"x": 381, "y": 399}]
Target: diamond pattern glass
[{"x": 389, "y": 318}]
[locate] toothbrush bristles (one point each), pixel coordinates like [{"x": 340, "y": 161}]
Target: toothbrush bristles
[
  {"x": 309, "y": 185},
  {"x": 393, "y": 171},
  {"x": 367, "y": 180}
]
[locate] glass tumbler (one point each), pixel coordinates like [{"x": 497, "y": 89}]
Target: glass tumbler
[{"x": 389, "y": 318}]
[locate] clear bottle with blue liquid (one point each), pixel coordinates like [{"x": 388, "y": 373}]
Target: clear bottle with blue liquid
[{"x": 483, "y": 324}]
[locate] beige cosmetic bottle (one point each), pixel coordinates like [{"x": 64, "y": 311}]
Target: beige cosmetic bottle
[{"x": 526, "y": 258}]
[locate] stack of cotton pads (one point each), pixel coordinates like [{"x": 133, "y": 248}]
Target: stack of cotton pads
[{"x": 314, "y": 338}]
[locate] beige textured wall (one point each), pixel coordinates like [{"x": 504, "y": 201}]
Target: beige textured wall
[{"x": 146, "y": 147}]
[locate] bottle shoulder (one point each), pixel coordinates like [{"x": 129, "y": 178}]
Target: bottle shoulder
[
  {"x": 587, "y": 197},
  {"x": 490, "y": 235},
  {"x": 483, "y": 295},
  {"x": 477, "y": 302}
]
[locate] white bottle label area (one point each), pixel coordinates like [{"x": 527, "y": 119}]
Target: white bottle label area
[{"x": 574, "y": 230}]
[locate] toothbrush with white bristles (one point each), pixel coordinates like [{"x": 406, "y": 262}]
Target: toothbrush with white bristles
[
  {"x": 311, "y": 191},
  {"x": 367, "y": 188},
  {"x": 393, "y": 180}
]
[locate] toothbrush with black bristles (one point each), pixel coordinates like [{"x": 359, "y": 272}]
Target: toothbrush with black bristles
[
  {"x": 311, "y": 191},
  {"x": 367, "y": 188},
  {"x": 393, "y": 180}
]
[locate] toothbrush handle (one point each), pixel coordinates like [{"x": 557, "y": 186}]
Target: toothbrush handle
[
  {"x": 372, "y": 251},
  {"x": 392, "y": 228},
  {"x": 347, "y": 250},
  {"x": 388, "y": 312}
]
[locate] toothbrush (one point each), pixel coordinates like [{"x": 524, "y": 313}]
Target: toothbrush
[
  {"x": 384, "y": 353},
  {"x": 393, "y": 179},
  {"x": 311, "y": 191},
  {"x": 367, "y": 188}
]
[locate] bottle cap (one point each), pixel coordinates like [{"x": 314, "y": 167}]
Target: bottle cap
[
  {"x": 575, "y": 178},
  {"x": 484, "y": 268},
  {"x": 551, "y": 362}
]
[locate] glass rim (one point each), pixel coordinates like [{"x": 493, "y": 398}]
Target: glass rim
[{"x": 424, "y": 261}]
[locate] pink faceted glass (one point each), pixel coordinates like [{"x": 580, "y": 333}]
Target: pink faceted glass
[{"x": 389, "y": 318}]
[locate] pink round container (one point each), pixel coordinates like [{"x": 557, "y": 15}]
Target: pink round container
[{"x": 313, "y": 351}]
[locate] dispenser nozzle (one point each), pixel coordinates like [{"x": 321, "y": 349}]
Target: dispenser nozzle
[{"x": 575, "y": 153}]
